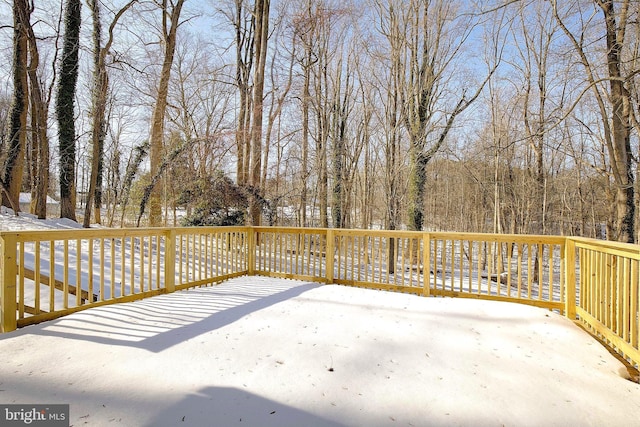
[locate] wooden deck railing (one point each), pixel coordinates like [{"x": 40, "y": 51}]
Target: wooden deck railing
[
  {"x": 607, "y": 289},
  {"x": 47, "y": 274},
  {"x": 42, "y": 271}
]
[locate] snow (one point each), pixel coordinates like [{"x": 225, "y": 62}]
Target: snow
[
  {"x": 26, "y": 221},
  {"x": 259, "y": 351},
  {"x": 26, "y": 199}
]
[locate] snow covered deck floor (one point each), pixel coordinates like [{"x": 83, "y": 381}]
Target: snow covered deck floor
[{"x": 258, "y": 351}]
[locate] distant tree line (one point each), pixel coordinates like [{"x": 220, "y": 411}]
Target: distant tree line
[{"x": 500, "y": 116}]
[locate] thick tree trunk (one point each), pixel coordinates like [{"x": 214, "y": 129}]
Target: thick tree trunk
[
  {"x": 65, "y": 110},
  {"x": 17, "y": 127},
  {"x": 417, "y": 184},
  {"x": 620, "y": 127}
]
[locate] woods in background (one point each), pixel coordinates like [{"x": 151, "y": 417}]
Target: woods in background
[{"x": 501, "y": 116}]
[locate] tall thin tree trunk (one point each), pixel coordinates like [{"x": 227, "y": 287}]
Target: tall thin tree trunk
[
  {"x": 339, "y": 152},
  {"x": 100, "y": 85},
  {"x": 393, "y": 139},
  {"x": 304, "y": 172},
  {"x": 262, "y": 33},
  {"x": 40, "y": 139},
  {"x": 244, "y": 64},
  {"x": 322, "y": 93},
  {"x": 99, "y": 106},
  {"x": 156, "y": 138}
]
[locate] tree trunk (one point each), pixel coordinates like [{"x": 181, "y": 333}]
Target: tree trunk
[
  {"x": 620, "y": 125},
  {"x": 100, "y": 84},
  {"x": 322, "y": 114},
  {"x": 393, "y": 114},
  {"x": 156, "y": 139},
  {"x": 340, "y": 114},
  {"x": 17, "y": 127},
  {"x": 304, "y": 173},
  {"x": 39, "y": 138},
  {"x": 99, "y": 106},
  {"x": 617, "y": 127},
  {"x": 65, "y": 110},
  {"x": 262, "y": 33},
  {"x": 244, "y": 64}
]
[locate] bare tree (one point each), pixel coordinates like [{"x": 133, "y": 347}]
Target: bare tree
[
  {"x": 278, "y": 95},
  {"x": 261, "y": 14},
  {"x": 170, "y": 11},
  {"x": 17, "y": 125},
  {"x": 40, "y": 98},
  {"x": 432, "y": 48},
  {"x": 393, "y": 29},
  {"x": 304, "y": 32},
  {"x": 243, "y": 22},
  {"x": 614, "y": 106},
  {"x": 99, "y": 105},
  {"x": 341, "y": 110},
  {"x": 199, "y": 107},
  {"x": 65, "y": 106}
]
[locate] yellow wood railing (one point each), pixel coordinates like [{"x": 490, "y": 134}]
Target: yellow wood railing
[
  {"x": 607, "y": 289},
  {"x": 47, "y": 274}
]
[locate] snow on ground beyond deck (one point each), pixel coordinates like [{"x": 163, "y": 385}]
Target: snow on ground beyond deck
[{"x": 257, "y": 351}]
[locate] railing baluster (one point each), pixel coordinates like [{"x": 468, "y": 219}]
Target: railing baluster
[
  {"x": 52, "y": 277},
  {"x": 452, "y": 255},
  {"x": 123, "y": 263},
  {"x": 624, "y": 316},
  {"x": 90, "y": 267},
  {"x": 21, "y": 285},
  {"x": 519, "y": 261},
  {"x": 634, "y": 329},
  {"x": 159, "y": 240},
  {"x": 132, "y": 264},
  {"x": 112, "y": 261},
  {"x": 143, "y": 260},
  {"x": 101, "y": 297},
  {"x": 287, "y": 253},
  {"x": 459, "y": 267},
  {"x": 66, "y": 274}
]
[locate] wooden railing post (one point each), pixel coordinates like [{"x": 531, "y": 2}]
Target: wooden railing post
[
  {"x": 170, "y": 260},
  {"x": 8, "y": 271},
  {"x": 426, "y": 264},
  {"x": 329, "y": 255},
  {"x": 570, "y": 278},
  {"x": 251, "y": 251}
]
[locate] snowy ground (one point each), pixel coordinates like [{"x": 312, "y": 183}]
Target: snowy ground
[
  {"x": 9, "y": 221},
  {"x": 269, "y": 352},
  {"x": 258, "y": 351}
]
